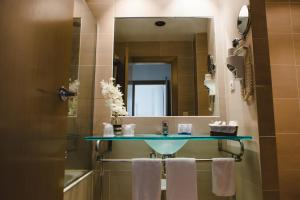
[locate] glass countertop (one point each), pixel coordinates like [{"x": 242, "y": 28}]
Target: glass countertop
[{"x": 168, "y": 137}]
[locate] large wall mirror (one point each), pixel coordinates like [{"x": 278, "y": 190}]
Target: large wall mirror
[{"x": 161, "y": 65}]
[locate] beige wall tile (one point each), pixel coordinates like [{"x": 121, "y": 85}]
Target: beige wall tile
[
  {"x": 101, "y": 114},
  {"x": 288, "y": 148},
  {"x": 296, "y": 16},
  {"x": 297, "y": 48},
  {"x": 284, "y": 82},
  {"x": 298, "y": 80},
  {"x": 87, "y": 58},
  {"x": 289, "y": 184},
  {"x": 88, "y": 41},
  {"x": 279, "y": 20},
  {"x": 105, "y": 49},
  {"x": 287, "y": 115},
  {"x": 85, "y": 109},
  {"x": 281, "y": 49},
  {"x": 86, "y": 76},
  {"x": 153, "y": 124},
  {"x": 120, "y": 185}
]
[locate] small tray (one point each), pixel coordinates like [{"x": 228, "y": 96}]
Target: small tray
[{"x": 223, "y": 130}]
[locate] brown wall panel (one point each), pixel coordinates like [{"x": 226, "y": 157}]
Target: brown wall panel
[{"x": 35, "y": 43}]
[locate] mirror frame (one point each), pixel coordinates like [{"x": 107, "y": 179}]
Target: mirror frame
[{"x": 246, "y": 31}]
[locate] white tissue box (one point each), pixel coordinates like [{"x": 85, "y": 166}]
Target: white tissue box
[{"x": 185, "y": 129}]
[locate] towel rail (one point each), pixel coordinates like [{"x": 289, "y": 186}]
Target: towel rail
[
  {"x": 162, "y": 160},
  {"x": 236, "y": 156}
]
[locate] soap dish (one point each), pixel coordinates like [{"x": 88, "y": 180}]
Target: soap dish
[{"x": 223, "y": 130}]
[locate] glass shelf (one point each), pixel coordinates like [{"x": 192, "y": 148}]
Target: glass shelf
[{"x": 168, "y": 137}]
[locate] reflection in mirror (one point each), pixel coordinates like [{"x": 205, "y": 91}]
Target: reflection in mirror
[
  {"x": 81, "y": 81},
  {"x": 74, "y": 68},
  {"x": 161, "y": 63},
  {"x": 243, "y": 22}
]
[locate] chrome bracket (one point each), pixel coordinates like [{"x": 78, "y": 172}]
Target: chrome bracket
[
  {"x": 100, "y": 155},
  {"x": 236, "y": 156}
]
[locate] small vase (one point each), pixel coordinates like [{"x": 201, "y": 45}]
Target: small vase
[{"x": 117, "y": 124}]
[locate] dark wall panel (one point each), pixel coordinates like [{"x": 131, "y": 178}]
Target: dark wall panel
[{"x": 35, "y": 47}]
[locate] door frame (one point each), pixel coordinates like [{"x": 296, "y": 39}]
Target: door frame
[{"x": 173, "y": 61}]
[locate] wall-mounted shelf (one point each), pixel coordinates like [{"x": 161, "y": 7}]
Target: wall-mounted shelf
[
  {"x": 168, "y": 137},
  {"x": 168, "y": 145}
]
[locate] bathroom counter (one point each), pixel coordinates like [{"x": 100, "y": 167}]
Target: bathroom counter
[{"x": 170, "y": 144}]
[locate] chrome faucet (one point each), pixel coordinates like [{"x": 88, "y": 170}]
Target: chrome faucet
[{"x": 165, "y": 127}]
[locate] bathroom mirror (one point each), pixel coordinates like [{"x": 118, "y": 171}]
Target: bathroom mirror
[
  {"x": 81, "y": 82},
  {"x": 161, "y": 63},
  {"x": 243, "y": 22}
]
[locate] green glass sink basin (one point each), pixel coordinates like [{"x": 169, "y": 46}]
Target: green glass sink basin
[{"x": 166, "y": 146}]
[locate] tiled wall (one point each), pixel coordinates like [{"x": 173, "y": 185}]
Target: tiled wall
[
  {"x": 245, "y": 112},
  {"x": 78, "y": 151},
  {"x": 106, "y": 10},
  {"x": 251, "y": 184},
  {"x": 264, "y": 101},
  {"x": 284, "y": 43}
]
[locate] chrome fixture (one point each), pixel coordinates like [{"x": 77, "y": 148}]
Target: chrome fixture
[{"x": 64, "y": 94}]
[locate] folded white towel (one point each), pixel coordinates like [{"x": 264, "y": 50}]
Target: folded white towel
[
  {"x": 146, "y": 175},
  {"x": 223, "y": 177},
  {"x": 181, "y": 179}
]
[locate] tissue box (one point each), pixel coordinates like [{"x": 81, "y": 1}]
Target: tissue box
[
  {"x": 223, "y": 130},
  {"x": 185, "y": 129}
]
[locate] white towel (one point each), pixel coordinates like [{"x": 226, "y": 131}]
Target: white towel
[
  {"x": 181, "y": 179},
  {"x": 223, "y": 177},
  {"x": 146, "y": 175}
]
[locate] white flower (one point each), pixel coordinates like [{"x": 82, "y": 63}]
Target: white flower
[{"x": 113, "y": 97}]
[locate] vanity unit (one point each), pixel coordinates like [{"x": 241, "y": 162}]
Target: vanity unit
[{"x": 168, "y": 145}]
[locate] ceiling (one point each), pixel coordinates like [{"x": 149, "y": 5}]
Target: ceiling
[{"x": 143, "y": 29}]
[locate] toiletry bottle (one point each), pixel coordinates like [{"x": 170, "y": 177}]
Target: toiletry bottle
[{"x": 165, "y": 128}]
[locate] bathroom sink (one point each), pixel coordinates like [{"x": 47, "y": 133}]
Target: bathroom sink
[{"x": 166, "y": 147}]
